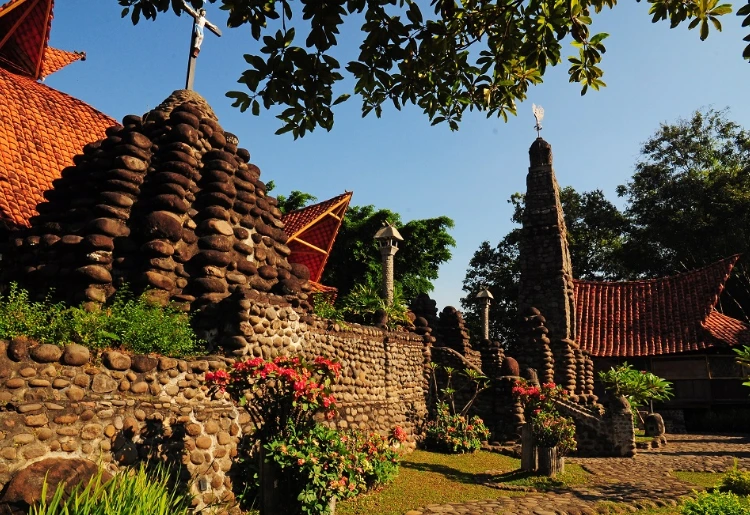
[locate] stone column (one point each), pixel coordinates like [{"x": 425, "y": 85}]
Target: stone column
[
  {"x": 387, "y": 253},
  {"x": 484, "y": 297},
  {"x": 388, "y": 238}
]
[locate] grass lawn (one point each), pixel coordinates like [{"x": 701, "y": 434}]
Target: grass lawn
[
  {"x": 429, "y": 477},
  {"x": 700, "y": 479},
  {"x": 435, "y": 478}
]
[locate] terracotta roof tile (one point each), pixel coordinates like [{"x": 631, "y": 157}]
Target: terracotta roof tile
[
  {"x": 297, "y": 220},
  {"x": 56, "y": 59},
  {"x": 24, "y": 32},
  {"x": 660, "y": 316},
  {"x": 312, "y": 231},
  {"x": 41, "y": 129}
]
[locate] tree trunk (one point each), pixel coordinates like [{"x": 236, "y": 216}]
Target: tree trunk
[
  {"x": 528, "y": 451},
  {"x": 551, "y": 462}
]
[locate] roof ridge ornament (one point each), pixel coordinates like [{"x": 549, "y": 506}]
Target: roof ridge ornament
[{"x": 538, "y": 116}]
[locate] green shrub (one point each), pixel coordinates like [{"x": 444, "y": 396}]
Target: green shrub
[
  {"x": 735, "y": 481},
  {"x": 715, "y": 503},
  {"x": 325, "y": 463},
  {"x": 128, "y": 322},
  {"x": 453, "y": 432},
  {"x": 324, "y": 307},
  {"x": 361, "y": 303},
  {"x": 143, "y": 492},
  {"x": 448, "y": 428}
]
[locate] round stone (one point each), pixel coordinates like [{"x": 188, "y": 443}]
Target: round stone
[
  {"x": 46, "y": 353},
  {"x": 116, "y": 361},
  {"x": 141, "y": 363},
  {"x": 75, "y": 355}
]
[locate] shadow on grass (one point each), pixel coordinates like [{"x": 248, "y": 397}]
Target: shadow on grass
[
  {"x": 450, "y": 473},
  {"x": 524, "y": 478}
]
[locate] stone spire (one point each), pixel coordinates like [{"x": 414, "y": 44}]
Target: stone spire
[{"x": 546, "y": 272}]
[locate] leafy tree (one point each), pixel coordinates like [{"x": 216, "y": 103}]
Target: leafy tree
[
  {"x": 296, "y": 199},
  {"x": 355, "y": 258},
  {"x": 475, "y": 54},
  {"x": 689, "y": 202},
  {"x": 639, "y": 387},
  {"x": 595, "y": 232}
]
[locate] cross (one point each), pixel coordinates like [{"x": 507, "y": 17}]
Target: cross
[{"x": 199, "y": 21}]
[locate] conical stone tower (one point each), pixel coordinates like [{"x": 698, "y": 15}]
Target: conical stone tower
[
  {"x": 167, "y": 202},
  {"x": 546, "y": 281}
]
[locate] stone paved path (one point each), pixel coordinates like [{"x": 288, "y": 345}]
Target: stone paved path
[{"x": 643, "y": 481}]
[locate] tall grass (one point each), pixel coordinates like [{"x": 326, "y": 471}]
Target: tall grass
[{"x": 141, "y": 492}]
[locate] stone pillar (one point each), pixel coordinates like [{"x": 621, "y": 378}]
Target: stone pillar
[
  {"x": 546, "y": 281},
  {"x": 388, "y": 238},
  {"x": 486, "y": 321},
  {"x": 387, "y": 253},
  {"x": 484, "y": 297}
]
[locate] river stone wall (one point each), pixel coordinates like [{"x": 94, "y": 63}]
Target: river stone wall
[{"x": 118, "y": 409}]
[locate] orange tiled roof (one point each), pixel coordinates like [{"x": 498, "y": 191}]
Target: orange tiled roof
[
  {"x": 312, "y": 231},
  {"x": 24, "y": 31},
  {"x": 56, "y": 59},
  {"x": 660, "y": 316},
  {"x": 41, "y": 129}
]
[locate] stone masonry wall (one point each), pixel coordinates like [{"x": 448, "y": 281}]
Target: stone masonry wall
[
  {"x": 58, "y": 402},
  {"x": 383, "y": 373}
]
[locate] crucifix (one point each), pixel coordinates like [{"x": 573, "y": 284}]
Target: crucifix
[{"x": 199, "y": 21}]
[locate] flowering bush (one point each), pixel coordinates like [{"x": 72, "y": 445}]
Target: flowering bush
[
  {"x": 333, "y": 464},
  {"x": 283, "y": 395},
  {"x": 277, "y": 392},
  {"x": 454, "y": 432},
  {"x": 553, "y": 430},
  {"x": 535, "y": 399},
  {"x": 548, "y": 427}
]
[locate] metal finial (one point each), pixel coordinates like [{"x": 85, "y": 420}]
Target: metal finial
[{"x": 538, "y": 116}]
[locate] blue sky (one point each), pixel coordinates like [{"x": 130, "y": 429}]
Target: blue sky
[{"x": 399, "y": 161}]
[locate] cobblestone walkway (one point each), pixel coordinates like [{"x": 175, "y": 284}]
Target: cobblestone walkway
[{"x": 640, "y": 482}]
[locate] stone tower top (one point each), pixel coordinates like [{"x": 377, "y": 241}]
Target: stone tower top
[{"x": 540, "y": 153}]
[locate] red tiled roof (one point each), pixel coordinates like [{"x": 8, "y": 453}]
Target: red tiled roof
[
  {"x": 56, "y": 59},
  {"x": 41, "y": 129},
  {"x": 312, "y": 231},
  {"x": 660, "y": 316},
  {"x": 24, "y": 31}
]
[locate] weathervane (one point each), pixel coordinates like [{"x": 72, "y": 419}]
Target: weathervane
[{"x": 538, "y": 116}]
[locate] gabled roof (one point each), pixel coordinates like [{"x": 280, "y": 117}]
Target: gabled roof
[
  {"x": 41, "y": 129},
  {"x": 660, "y": 316},
  {"x": 24, "y": 31},
  {"x": 312, "y": 231}
]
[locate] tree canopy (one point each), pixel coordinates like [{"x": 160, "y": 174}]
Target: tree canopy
[
  {"x": 687, "y": 205},
  {"x": 444, "y": 58}
]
